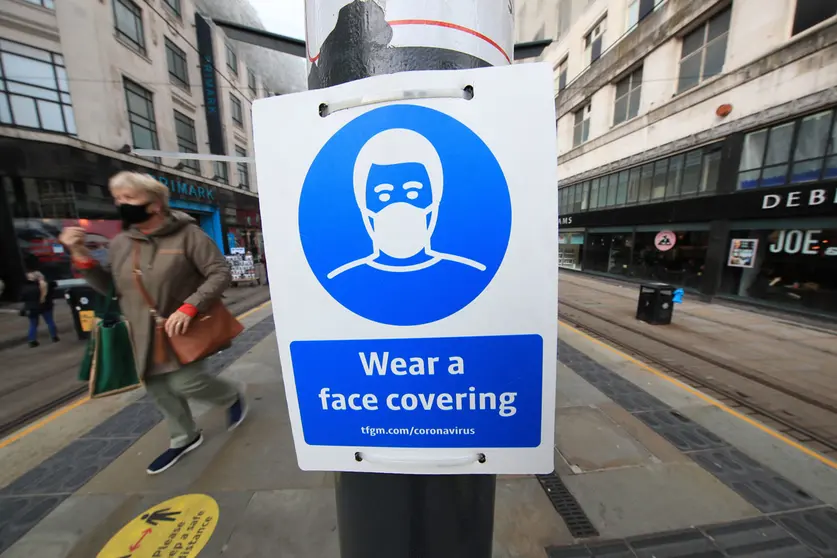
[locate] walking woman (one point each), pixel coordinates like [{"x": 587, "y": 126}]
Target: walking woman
[
  {"x": 37, "y": 295},
  {"x": 185, "y": 273}
]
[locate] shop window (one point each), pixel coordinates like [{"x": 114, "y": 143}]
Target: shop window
[
  {"x": 692, "y": 173},
  {"x": 711, "y": 171},
  {"x": 645, "y": 183},
  {"x": 570, "y": 249},
  {"x": 562, "y": 73},
  {"x": 237, "y": 113},
  {"x": 174, "y": 6},
  {"x": 128, "y": 23},
  {"x": 222, "y": 172},
  {"x": 581, "y": 125},
  {"x": 627, "y": 97},
  {"x": 633, "y": 185},
  {"x": 704, "y": 51},
  {"x": 232, "y": 59},
  {"x": 141, "y": 116},
  {"x": 675, "y": 176},
  {"x": 658, "y": 190},
  {"x": 831, "y": 161},
  {"x": 178, "y": 68},
  {"x": 593, "y": 42},
  {"x": 594, "y": 194},
  {"x": 585, "y": 195},
  {"x": 608, "y": 253},
  {"x": 622, "y": 188},
  {"x": 793, "y": 267},
  {"x": 812, "y": 12},
  {"x": 251, "y": 83},
  {"x": 681, "y": 266},
  {"x": 243, "y": 168},
  {"x": 187, "y": 141},
  {"x": 34, "y": 89}
]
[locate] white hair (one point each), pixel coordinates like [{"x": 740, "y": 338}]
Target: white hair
[{"x": 392, "y": 147}]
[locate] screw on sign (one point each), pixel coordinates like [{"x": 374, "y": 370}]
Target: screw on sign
[
  {"x": 665, "y": 240},
  {"x": 176, "y": 528}
]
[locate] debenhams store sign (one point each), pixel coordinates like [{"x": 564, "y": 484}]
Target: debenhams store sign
[{"x": 800, "y": 198}]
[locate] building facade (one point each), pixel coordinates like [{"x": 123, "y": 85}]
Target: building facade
[
  {"x": 697, "y": 144},
  {"x": 83, "y": 83}
]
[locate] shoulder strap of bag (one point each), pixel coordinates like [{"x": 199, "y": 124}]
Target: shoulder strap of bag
[{"x": 138, "y": 280}]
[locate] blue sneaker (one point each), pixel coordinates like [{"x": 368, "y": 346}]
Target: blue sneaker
[
  {"x": 172, "y": 455},
  {"x": 236, "y": 413}
]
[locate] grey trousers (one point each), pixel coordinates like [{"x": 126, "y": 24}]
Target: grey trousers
[{"x": 170, "y": 392}]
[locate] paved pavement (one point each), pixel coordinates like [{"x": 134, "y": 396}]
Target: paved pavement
[
  {"x": 644, "y": 467},
  {"x": 31, "y": 378}
]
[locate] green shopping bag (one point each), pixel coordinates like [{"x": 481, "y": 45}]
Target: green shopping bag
[{"x": 108, "y": 364}]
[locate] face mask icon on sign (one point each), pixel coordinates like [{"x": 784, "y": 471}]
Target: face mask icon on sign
[{"x": 398, "y": 183}]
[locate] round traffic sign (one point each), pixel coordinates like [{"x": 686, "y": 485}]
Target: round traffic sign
[{"x": 665, "y": 240}]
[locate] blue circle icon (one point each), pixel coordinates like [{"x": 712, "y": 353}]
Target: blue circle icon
[{"x": 405, "y": 215}]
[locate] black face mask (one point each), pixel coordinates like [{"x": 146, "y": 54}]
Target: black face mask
[{"x": 134, "y": 214}]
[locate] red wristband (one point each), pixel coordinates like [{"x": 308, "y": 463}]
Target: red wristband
[
  {"x": 84, "y": 263},
  {"x": 189, "y": 310}
]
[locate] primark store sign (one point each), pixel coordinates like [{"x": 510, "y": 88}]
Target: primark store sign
[{"x": 185, "y": 190}]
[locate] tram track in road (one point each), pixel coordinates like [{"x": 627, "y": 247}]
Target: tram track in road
[
  {"x": 32, "y": 389},
  {"x": 810, "y": 421}
]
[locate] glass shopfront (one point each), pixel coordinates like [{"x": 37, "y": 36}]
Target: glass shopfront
[
  {"x": 570, "y": 249},
  {"x": 794, "y": 265},
  {"x": 634, "y": 254}
]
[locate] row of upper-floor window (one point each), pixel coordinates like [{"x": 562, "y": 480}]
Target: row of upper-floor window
[
  {"x": 128, "y": 22},
  {"x": 143, "y": 124},
  {"x": 684, "y": 175},
  {"x": 797, "y": 151},
  {"x": 34, "y": 93},
  {"x": 702, "y": 56}
]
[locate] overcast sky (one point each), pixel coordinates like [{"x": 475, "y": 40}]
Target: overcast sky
[{"x": 285, "y": 17}]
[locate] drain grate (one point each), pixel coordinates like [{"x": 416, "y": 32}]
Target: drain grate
[{"x": 567, "y": 507}]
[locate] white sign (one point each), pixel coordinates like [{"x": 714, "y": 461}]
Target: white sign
[
  {"x": 482, "y": 28},
  {"x": 414, "y": 269},
  {"x": 742, "y": 252}
]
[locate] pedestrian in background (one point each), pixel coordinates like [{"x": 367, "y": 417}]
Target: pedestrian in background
[
  {"x": 185, "y": 273},
  {"x": 37, "y": 295}
]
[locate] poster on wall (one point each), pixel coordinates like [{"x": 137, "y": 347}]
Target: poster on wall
[{"x": 742, "y": 252}]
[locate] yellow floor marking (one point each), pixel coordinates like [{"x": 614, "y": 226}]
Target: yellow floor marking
[
  {"x": 58, "y": 413},
  {"x": 178, "y": 527},
  {"x": 715, "y": 403}
]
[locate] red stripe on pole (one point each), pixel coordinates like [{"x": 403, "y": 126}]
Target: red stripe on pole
[
  {"x": 440, "y": 24},
  {"x": 452, "y": 26}
]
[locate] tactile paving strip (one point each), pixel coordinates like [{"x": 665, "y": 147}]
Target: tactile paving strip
[
  {"x": 31, "y": 497},
  {"x": 760, "y": 486},
  {"x": 803, "y": 534}
]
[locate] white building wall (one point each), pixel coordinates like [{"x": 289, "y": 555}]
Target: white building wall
[
  {"x": 757, "y": 29},
  {"x": 97, "y": 60}
]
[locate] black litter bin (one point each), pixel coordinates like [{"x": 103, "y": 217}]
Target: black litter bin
[
  {"x": 82, "y": 300},
  {"x": 655, "y": 305}
]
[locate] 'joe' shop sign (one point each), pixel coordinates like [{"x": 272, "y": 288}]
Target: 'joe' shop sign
[{"x": 187, "y": 190}]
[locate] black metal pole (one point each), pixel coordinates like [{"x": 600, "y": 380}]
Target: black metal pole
[{"x": 389, "y": 515}]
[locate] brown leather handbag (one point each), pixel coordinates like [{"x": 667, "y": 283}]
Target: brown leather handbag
[{"x": 208, "y": 332}]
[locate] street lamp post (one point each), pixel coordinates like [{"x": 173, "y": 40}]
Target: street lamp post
[{"x": 391, "y": 515}]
